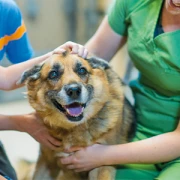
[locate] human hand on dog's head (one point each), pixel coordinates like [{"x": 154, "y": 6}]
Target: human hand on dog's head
[
  {"x": 33, "y": 126},
  {"x": 75, "y": 48}
]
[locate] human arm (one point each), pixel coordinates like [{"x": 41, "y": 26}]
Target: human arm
[
  {"x": 105, "y": 42},
  {"x": 2, "y": 178},
  {"x": 10, "y": 75},
  {"x": 161, "y": 148},
  {"x": 31, "y": 124}
]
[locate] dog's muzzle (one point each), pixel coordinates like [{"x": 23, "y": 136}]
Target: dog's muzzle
[
  {"x": 71, "y": 100},
  {"x": 73, "y": 91}
]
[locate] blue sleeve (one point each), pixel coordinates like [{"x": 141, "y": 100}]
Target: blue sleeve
[{"x": 18, "y": 48}]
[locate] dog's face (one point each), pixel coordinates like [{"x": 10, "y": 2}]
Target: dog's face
[{"x": 67, "y": 90}]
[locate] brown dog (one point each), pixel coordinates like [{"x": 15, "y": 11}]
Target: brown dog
[{"x": 81, "y": 102}]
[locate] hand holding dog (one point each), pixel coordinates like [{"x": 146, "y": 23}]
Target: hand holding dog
[
  {"x": 31, "y": 124},
  {"x": 87, "y": 158},
  {"x": 34, "y": 127}
]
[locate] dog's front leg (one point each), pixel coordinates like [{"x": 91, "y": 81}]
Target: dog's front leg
[
  {"x": 46, "y": 167},
  {"x": 70, "y": 175},
  {"x": 42, "y": 173},
  {"x": 103, "y": 173}
]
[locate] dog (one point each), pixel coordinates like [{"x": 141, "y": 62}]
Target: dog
[{"x": 81, "y": 102}]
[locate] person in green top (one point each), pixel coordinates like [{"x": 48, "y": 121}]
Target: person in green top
[{"x": 151, "y": 29}]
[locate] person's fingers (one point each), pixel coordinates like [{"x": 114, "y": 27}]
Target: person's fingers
[
  {"x": 73, "y": 149},
  {"x": 75, "y": 166},
  {"x": 50, "y": 145},
  {"x": 50, "y": 142},
  {"x": 81, "y": 169},
  {"x": 59, "y": 51},
  {"x": 75, "y": 49},
  {"x": 71, "y": 45},
  {"x": 47, "y": 140},
  {"x": 66, "y": 160},
  {"x": 68, "y": 45},
  {"x": 70, "y": 166},
  {"x": 85, "y": 53},
  {"x": 54, "y": 141},
  {"x": 81, "y": 51}
]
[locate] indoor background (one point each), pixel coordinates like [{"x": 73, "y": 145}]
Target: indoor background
[{"x": 51, "y": 23}]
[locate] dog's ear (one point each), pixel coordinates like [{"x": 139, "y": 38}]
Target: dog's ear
[
  {"x": 30, "y": 74},
  {"x": 98, "y": 63}
]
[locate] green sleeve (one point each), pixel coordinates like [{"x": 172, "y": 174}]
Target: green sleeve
[{"x": 117, "y": 15}]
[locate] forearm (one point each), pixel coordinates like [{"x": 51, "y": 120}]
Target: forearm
[
  {"x": 2, "y": 178},
  {"x": 105, "y": 42},
  {"x": 11, "y": 122},
  {"x": 12, "y": 74},
  {"x": 157, "y": 149},
  {"x": 101, "y": 49}
]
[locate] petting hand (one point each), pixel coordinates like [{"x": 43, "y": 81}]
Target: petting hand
[
  {"x": 85, "y": 159},
  {"x": 33, "y": 126},
  {"x": 75, "y": 49}
]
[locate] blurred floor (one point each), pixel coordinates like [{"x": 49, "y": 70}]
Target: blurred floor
[{"x": 18, "y": 145}]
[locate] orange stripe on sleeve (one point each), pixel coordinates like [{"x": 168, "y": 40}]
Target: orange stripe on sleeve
[{"x": 15, "y": 36}]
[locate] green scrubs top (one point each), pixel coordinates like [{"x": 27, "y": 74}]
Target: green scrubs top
[{"x": 157, "y": 90}]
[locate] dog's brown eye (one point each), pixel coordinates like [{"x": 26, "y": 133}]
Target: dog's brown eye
[
  {"x": 53, "y": 75},
  {"x": 82, "y": 71}
]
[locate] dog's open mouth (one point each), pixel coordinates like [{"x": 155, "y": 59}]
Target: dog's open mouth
[{"x": 74, "y": 111}]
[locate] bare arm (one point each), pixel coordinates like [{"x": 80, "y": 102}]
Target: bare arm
[
  {"x": 105, "y": 42},
  {"x": 31, "y": 124},
  {"x": 161, "y": 148},
  {"x": 10, "y": 75},
  {"x": 2, "y": 178}
]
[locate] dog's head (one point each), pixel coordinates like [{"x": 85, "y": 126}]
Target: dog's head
[{"x": 67, "y": 90}]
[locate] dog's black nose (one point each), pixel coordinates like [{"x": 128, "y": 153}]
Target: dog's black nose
[{"x": 73, "y": 91}]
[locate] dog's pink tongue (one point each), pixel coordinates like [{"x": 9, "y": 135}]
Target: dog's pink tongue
[{"x": 74, "y": 109}]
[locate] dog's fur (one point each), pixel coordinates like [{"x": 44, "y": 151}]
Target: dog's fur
[{"x": 82, "y": 102}]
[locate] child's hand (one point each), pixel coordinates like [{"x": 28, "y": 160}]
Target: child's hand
[{"x": 75, "y": 49}]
